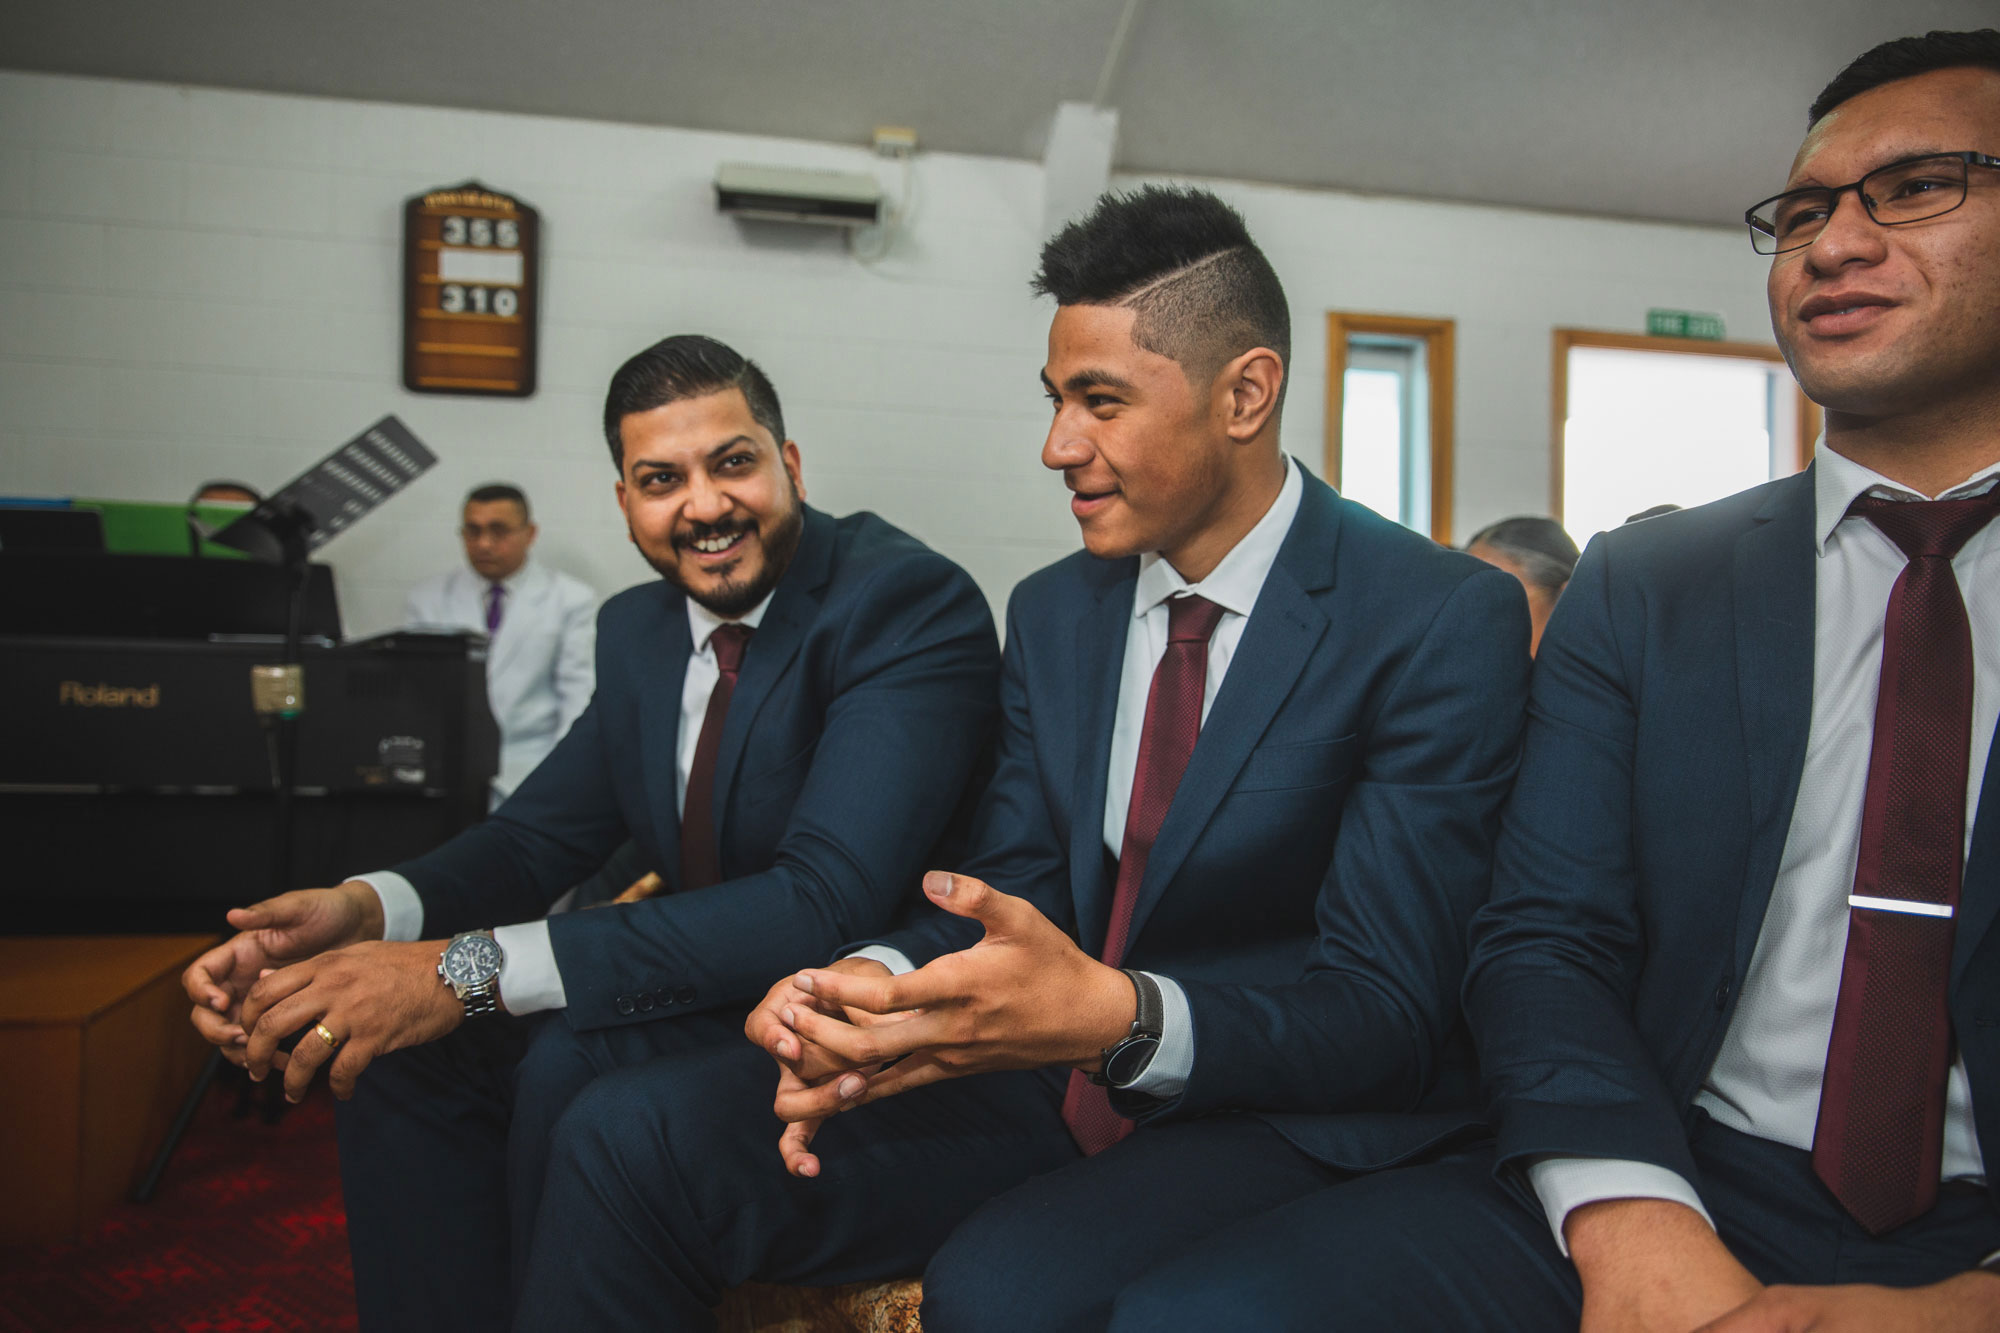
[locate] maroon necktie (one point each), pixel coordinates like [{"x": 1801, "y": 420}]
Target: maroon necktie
[
  {"x": 494, "y": 594},
  {"x": 1166, "y": 740},
  {"x": 701, "y": 863},
  {"x": 1879, "y": 1142}
]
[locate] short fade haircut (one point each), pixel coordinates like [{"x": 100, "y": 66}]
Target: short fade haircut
[
  {"x": 1184, "y": 261},
  {"x": 1539, "y": 546},
  {"x": 1905, "y": 58},
  {"x": 686, "y": 365},
  {"x": 493, "y": 492}
]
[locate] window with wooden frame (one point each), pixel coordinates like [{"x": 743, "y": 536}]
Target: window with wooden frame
[
  {"x": 1642, "y": 421},
  {"x": 1389, "y": 416}
]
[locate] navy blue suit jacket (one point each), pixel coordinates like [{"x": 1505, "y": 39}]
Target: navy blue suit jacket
[
  {"x": 865, "y": 700},
  {"x": 1666, "y": 737},
  {"x": 1326, "y": 847}
]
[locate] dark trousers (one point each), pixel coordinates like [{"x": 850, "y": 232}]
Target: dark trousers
[
  {"x": 443, "y": 1149},
  {"x": 1053, "y": 1254},
  {"x": 1443, "y": 1246},
  {"x": 664, "y": 1187}
]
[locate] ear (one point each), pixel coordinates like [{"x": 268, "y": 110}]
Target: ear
[
  {"x": 1252, "y": 382},
  {"x": 789, "y": 452},
  {"x": 625, "y": 509}
]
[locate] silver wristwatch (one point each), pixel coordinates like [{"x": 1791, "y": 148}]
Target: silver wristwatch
[{"x": 470, "y": 965}]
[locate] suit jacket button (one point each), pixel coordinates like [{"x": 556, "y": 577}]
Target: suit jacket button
[
  {"x": 685, "y": 995},
  {"x": 625, "y": 1005},
  {"x": 645, "y": 1002},
  {"x": 1722, "y": 997},
  {"x": 666, "y": 996}
]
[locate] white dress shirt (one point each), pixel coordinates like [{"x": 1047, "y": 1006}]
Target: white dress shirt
[
  {"x": 540, "y": 665},
  {"x": 1766, "y": 1076},
  {"x": 529, "y": 980},
  {"x": 1233, "y": 585}
]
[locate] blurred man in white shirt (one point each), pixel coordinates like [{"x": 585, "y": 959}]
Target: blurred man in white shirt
[{"x": 542, "y": 622}]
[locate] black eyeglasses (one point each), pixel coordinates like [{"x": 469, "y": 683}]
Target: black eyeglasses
[{"x": 1912, "y": 190}]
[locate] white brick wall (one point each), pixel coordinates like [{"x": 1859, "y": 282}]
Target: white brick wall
[{"x": 199, "y": 283}]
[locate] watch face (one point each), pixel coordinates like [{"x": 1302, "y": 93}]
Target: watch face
[
  {"x": 472, "y": 960},
  {"x": 1129, "y": 1059}
]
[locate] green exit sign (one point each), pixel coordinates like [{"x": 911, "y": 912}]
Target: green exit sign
[{"x": 1684, "y": 324}]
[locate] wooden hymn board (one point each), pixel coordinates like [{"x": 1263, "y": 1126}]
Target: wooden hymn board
[{"x": 470, "y": 292}]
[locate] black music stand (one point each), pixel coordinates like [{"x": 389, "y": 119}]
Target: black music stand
[
  {"x": 285, "y": 529},
  {"x": 315, "y": 507}
]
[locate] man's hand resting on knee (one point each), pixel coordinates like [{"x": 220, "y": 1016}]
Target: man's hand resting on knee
[
  {"x": 1652, "y": 1265},
  {"x": 1024, "y": 997},
  {"x": 285, "y": 929},
  {"x": 1968, "y": 1303},
  {"x": 373, "y": 997}
]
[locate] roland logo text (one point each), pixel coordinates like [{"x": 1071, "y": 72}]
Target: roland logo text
[{"x": 100, "y": 695}]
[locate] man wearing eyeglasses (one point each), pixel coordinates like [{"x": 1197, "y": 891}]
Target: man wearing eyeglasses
[
  {"x": 542, "y": 622},
  {"x": 1737, "y": 992}
]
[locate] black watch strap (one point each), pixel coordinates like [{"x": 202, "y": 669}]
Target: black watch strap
[
  {"x": 1152, "y": 1015},
  {"x": 1130, "y": 1055}
]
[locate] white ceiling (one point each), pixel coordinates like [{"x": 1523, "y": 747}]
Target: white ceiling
[{"x": 1672, "y": 109}]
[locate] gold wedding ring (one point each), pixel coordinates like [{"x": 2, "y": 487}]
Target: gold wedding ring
[{"x": 332, "y": 1042}]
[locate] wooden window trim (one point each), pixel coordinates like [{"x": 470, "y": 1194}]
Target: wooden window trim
[
  {"x": 1438, "y": 336},
  {"x": 1808, "y": 413}
]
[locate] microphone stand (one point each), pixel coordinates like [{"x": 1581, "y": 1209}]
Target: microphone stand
[{"x": 277, "y": 693}]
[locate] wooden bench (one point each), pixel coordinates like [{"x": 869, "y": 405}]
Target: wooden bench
[
  {"x": 98, "y": 1055},
  {"x": 861, "y": 1307}
]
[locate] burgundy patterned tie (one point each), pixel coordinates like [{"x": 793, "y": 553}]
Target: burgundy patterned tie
[
  {"x": 1166, "y": 740},
  {"x": 1879, "y": 1142},
  {"x": 701, "y": 863},
  {"x": 494, "y": 595}
]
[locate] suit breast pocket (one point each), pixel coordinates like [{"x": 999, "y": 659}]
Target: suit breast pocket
[{"x": 1298, "y": 765}]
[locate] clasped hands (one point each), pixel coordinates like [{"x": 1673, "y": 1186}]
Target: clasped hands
[
  {"x": 1023, "y": 997},
  {"x": 316, "y": 956}
]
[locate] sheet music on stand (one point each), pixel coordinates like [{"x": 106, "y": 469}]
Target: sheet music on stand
[{"x": 333, "y": 495}]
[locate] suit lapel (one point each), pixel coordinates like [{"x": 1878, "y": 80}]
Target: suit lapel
[
  {"x": 659, "y": 703},
  {"x": 1772, "y": 586},
  {"x": 1100, "y": 658},
  {"x": 1278, "y": 641},
  {"x": 794, "y": 606},
  {"x": 1979, "y": 892}
]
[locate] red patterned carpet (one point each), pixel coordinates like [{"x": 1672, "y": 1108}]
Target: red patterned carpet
[{"x": 245, "y": 1236}]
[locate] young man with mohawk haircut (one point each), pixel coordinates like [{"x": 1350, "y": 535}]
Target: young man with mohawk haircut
[{"x": 1254, "y": 744}]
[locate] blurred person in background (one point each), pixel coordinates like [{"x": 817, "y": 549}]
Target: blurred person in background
[
  {"x": 542, "y": 623},
  {"x": 1537, "y": 552}
]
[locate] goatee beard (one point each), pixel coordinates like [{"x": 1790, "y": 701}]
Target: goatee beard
[{"x": 733, "y": 598}]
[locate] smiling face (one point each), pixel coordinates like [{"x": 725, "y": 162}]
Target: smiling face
[
  {"x": 1148, "y": 458},
  {"x": 1880, "y": 321},
  {"x": 712, "y": 501}
]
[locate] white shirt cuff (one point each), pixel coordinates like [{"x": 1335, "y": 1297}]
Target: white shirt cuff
[
  {"x": 1167, "y": 1072},
  {"x": 402, "y": 909},
  {"x": 1564, "y": 1184},
  {"x": 895, "y": 960},
  {"x": 529, "y": 979}
]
